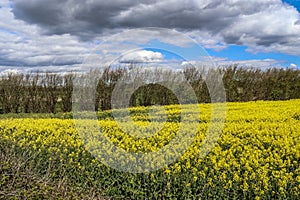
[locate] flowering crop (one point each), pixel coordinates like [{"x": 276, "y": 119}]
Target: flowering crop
[{"x": 256, "y": 156}]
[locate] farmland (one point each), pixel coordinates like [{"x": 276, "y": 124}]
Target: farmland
[{"x": 257, "y": 156}]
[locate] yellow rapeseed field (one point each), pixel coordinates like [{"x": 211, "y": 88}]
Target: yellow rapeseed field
[{"x": 257, "y": 155}]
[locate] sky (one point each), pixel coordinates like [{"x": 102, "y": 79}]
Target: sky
[{"x": 55, "y": 35}]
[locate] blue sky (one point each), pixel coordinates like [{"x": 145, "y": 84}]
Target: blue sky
[
  {"x": 234, "y": 53},
  {"x": 238, "y": 53},
  {"x": 283, "y": 59},
  {"x": 53, "y": 35},
  {"x": 295, "y": 3}
]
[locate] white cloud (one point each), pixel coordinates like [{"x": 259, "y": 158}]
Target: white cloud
[
  {"x": 45, "y": 35},
  {"x": 217, "y": 61},
  {"x": 263, "y": 63},
  {"x": 268, "y": 25},
  {"x": 272, "y": 29},
  {"x": 23, "y": 46},
  {"x": 9, "y": 71},
  {"x": 142, "y": 56}
]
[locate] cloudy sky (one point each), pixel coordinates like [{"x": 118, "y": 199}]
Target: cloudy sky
[{"x": 70, "y": 35}]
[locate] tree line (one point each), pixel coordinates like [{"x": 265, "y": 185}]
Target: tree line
[{"x": 52, "y": 92}]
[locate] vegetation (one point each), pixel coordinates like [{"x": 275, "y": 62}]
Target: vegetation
[
  {"x": 44, "y": 155},
  {"x": 52, "y": 93},
  {"x": 256, "y": 157}
]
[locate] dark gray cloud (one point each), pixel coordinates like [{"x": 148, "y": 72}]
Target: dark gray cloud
[
  {"x": 73, "y": 16},
  {"x": 218, "y": 17},
  {"x": 55, "y": 34},
  {"x": 23, "y": 47}
]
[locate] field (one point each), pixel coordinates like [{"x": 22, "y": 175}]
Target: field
[{"x": 257, "y": 155}]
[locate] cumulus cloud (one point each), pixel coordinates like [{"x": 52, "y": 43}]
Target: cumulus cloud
[
  {"x": 142, "y": 56},
  {"x": 22, "y": 45},
  {"x": 268, "y": 23},
  {"x": 58, "y": 35}
]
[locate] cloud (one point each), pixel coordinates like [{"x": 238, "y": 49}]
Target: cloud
[
  {"x": 22, "y": 45},
  {"x": 218, "y": 61},
  {"x": 268, "y": 24},
  {"x": 143, "y": 56},
  {"x": 263, "y": 63},
  {"x": 292, "y": 65},
  {"x": 58, "y": 35},
  {"x": 9, "y": 71},
  {"x": 25, "y": 48}
]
